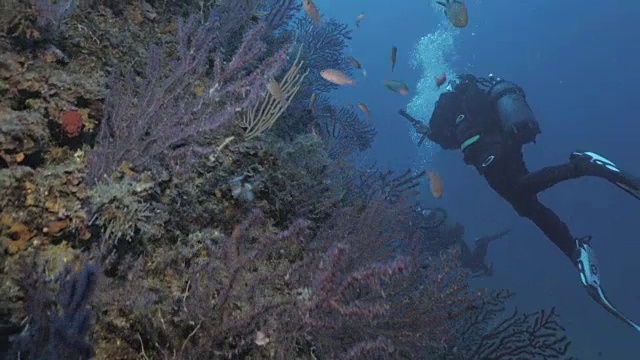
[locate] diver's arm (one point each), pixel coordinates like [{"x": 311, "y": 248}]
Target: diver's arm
[
  {"x": 415, "y": 122},
  {"x": 421, "y": 128}
]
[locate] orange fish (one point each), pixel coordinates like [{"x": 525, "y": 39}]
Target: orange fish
[
  {"x": 354, "y": 62},
  {"x": 365, "y": 110},
  {"x": 359, "y": 19},
  {"x": 394, "y": 51},
  {"x": 435, "y": 182},
  {"x": 337, "y": 77},
  {"x": 312, "y": 10},
  {"x": 440, "y": 80},
  {"x": 456, "y": 12}
]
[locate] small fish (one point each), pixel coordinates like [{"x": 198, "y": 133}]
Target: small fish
[
  {"x": 456, "y": 12},
  {"x": 397, "y": 86},
  {"x": 275, "y": 90},
  {"x": 312, "y": 102},
  {"x": 394, "y": 51},
  {"x": 337, "y": 77},
  {"x": 359, "y": 19},
  {"x": 354, "y": 62},
  {"x": 440, "y": 80},
  {"x": 312, "y": 10},
  {"x": 435, "y": 183},
  {"x": 365, "y": 110}
]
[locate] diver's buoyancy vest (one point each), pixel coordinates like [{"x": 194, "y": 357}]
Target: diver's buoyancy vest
[{"x": 477, "y": 108}]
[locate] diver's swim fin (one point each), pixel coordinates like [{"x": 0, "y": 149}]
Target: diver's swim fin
[
  {"x": 629, "y": 189},
  {"x": 599, "y": 296},
  {"x": 590, "y": 278},
  {"x": 598, "y": 165}
]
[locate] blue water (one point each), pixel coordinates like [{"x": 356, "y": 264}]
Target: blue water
[{"x": 578, "y": 63}]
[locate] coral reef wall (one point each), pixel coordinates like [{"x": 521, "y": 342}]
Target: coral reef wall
[{"x": 173, "y": 186}]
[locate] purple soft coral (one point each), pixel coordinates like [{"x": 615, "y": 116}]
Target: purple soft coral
[{"x": 159, "y": 119}]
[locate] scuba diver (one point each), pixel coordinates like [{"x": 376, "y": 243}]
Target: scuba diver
[
  {"x": 475, "y": 260},
  {"x": 489, "y": 120},
  {"x": 434, "y": 222}
]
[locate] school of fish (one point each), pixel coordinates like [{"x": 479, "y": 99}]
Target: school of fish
[{"x": 457, "y": 14}]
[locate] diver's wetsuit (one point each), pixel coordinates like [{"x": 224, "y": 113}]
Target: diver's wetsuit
[
  {"x": 509, "y": 177},
  {"x": 469, "y": 119}
]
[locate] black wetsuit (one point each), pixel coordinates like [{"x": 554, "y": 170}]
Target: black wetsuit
[
  {"x": 509, "y": 177},
  {"x": 467, "y": 119},
  {"x": 507, "y": 174}
]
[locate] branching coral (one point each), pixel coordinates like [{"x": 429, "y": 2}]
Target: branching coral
[
  {"x": 301, "y": 186},
  {"x": 265, "y": 113},
  {"x": 35, "y": 22},
  {"x": 127, "y": 218},
  {"x": 322, "y": 48},
  {"x": 58, "y": 328},
  {"x": 51, "y": 15},
  {"x": 214, "y": 294},
  {"x": 368, "y": 183},
  {"x": 486, "y": 332},
  {"x": 162, "y": 117},
  {"x": 279, "y": 12},
  {"x": 342, "y": 130}
]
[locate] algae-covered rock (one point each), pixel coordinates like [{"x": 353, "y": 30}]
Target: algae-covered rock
[
  {"x": 42, "y": 206},
  {"x": 12, "y": 185},
  {"x": 23, "y": 132}
]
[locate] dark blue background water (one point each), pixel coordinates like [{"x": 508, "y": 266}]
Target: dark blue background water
[{"x": 577, "y": 61}]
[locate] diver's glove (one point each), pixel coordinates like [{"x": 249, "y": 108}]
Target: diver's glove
[{"x": 590, "y": 277}]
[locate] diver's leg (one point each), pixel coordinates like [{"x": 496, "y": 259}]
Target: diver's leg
[
  {"x": 578, "y": 250},
  {"x": 580, "y": 164},
  {"x": 542, "y": 179},
  {"x": 550, "y": 224}
]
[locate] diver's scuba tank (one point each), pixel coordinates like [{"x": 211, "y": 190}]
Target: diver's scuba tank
[{"x": 518, "y": 120}]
